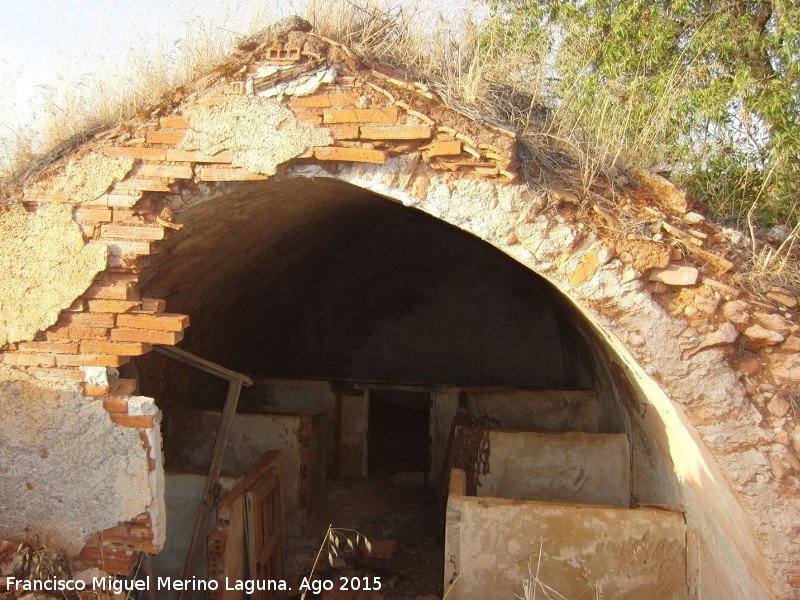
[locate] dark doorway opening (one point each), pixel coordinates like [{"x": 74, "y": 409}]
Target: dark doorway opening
[{"x": 398, "y": 434}]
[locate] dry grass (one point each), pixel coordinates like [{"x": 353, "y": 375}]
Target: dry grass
[{"x": 454, "y": 56}]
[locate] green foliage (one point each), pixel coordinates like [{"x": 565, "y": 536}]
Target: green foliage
[{"x": 712, "y": 88}]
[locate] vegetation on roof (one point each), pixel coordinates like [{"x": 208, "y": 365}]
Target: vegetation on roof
[{"x": 591, "y": 87}]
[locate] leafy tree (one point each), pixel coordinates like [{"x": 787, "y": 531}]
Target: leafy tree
[{"x": 710, "y": 86}]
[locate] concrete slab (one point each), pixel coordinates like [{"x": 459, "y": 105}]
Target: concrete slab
[
  {"x": 536, "y": 410},
  {"x": 499, "y": 547},
  {"x": 585, "y": 468}
]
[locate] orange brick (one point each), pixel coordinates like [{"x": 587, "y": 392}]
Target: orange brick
[
  {"x": 112, "y": 306},
  {"x": 360, "y": 115},
  {"x": 90, "y": 360},
  {"x": 133, "y": 232},
  {"x": 160, "y": 136},
  {"x": 174, "y": 122},
  {"x": 168, "y": 338},
  {"x": 28, "y": 359},
  {"x": 77, "y": 306},
  {"x": 366, "y": 155},
  {"x": 113, "y": 291},
  {"x": 116, "y": 405},
  {"x": 65, "y": 332},
  {"x": 120, "y": 348},
  {"x": 113, "y": 561},
  {"x": 143, "y": 153},
  {"x": 228, "y": 174},
  {"x": 395, "y": 132},
  {"x": 94, "y": 390},
  {"x": 55, "y": 347},
  {"x": 142, "y": 185},
  {"x": 93, "y": 214},
  {"x": 226, "y": 156},
  {"x": 307, "y": 116},
  {"x": 344, "y": 131},
  {"x": 445, "y": 148},
  {"x": 171, "y": 171},
  {"x": 153, "y": 305},
  {"x": 138, "y": 421},
  {"x": 161, "y": 321},
  {"x": 325, "y": 100},
  {"x": 86, "y": 319}
]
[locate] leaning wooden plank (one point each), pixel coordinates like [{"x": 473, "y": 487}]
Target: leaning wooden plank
[{"x": 201, "y": 364}]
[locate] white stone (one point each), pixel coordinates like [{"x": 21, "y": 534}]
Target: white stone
[{"x": 675, "y": 275}]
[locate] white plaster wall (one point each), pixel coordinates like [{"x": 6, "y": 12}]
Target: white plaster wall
[
  {"x": 66, "y": 471},
  {"x": 584, "y": 468},
  {"x": 190, "y": 442},
  {"x": 536, "y": 410},
  {"x": 578, "y": 551}
]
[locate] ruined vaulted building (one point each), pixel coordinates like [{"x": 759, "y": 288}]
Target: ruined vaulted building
[{"x": 405, "y": 306}]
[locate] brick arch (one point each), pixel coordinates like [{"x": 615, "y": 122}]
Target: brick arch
[{"x": 375, "y": 131}]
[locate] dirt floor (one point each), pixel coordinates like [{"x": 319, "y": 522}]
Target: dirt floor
[{"x": 405, "y": 527}]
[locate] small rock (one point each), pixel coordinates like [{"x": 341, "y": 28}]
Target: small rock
[
  {"x": 778, "y": 234},
  {"x": 675, "y": 275},
  {"x": 758, "y": 337},
  {"x": 784, "y": 299},
  {"x": 693, "y": 218},
  {"x": 792, "y": 344},
  {"x": 778, "y": 406},
  {"x": 629, "y": 274},
  {"x": 664, "y": 191},
  {"x": 796, "y": 438},
  {"x": 726, "y": 334},
  {"x": 785, "y": 367},
  {"x": 643, "y": 254},
  {"x": 775, "y": 322},
  {"x": 735, "y": 311},
  {"x": 778, "y": 469}
]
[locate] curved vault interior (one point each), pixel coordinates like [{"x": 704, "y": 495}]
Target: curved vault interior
[
  {"x": 315, "y": 280},
  {"x": 318, "y": 279}
]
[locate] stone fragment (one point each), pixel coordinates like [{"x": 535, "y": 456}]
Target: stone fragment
[
  {"x": 784, "y": 299},
  {"x": 675, "y": 275},
  {"x": 726, "y": 334},
  {"x": 796, "y": 438},
  {"x": 644, "y": 254},
  {"x": 758, "y": 337},
  {"x": 792, "y": 344},
  {"x": 693, "y": 218},
  {"x": 736, "y": 311},
  {"x": 775, "y": 323},
  {"x": 785, "y": 368},
  {"x": 778, "y": 406},
  {"x": 664, "y": 191}
]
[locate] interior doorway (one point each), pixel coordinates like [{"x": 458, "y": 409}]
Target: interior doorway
[{"x": 398, "y": 434}]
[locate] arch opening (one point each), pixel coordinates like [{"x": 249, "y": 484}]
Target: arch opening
[{"x": 352, "y": 311}]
